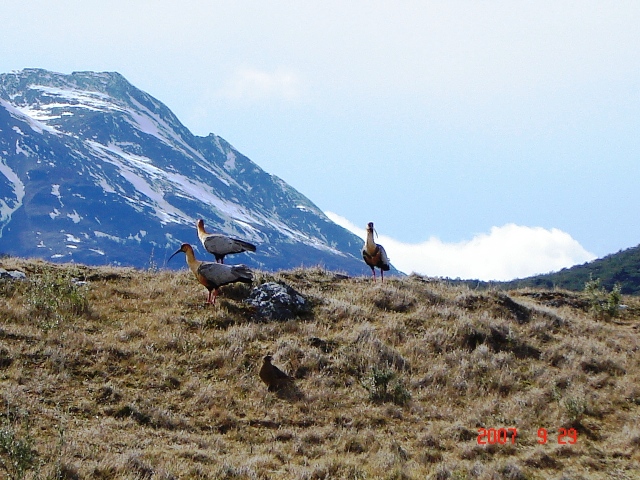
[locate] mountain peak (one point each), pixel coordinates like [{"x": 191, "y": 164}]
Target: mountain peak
[{"x": 102, "y": 82}]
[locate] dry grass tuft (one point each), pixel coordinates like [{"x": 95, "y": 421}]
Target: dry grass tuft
[{"x": 109, "y": 373}]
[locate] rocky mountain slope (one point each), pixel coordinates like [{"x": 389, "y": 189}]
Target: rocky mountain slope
[{"x": 96, "y": 171}]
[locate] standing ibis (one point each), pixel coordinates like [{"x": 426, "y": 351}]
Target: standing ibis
[
  {"x": 214, "y": 275},
  {"x": 374, "y": 254},
  {"x": 272, "y": 376},
  {"x": 220, "y": 245}
]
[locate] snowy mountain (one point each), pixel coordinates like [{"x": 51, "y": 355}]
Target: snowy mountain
[{"x": 96, "y": 171}]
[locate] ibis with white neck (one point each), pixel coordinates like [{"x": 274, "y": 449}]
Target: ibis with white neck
[
  {"x": 374, "y": 254},
  {"x": 220, "y": 245}
]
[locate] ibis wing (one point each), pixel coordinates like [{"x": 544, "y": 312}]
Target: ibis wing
[
  {"x": 216, "y": 273},
  {"x": 224, "y": 245},
  {"x": 242, "y": 273},
  {"x": 218, "y": 244},
  {"x": 220, "y": 274},
  {"x": 250, "y": 247},
  {"x": 383, "y": 261}
]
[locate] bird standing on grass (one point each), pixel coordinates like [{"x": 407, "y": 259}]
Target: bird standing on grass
[
  {"x": 272, "y": 376},
  {"x": 374, "y": 254},
  {"x": 220, "y": 245},
  {"x": 214, "y": 275}
]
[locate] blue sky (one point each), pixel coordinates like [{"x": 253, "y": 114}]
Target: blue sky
[{"x": 492, "y": 139}]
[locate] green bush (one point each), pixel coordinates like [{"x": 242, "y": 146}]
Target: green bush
[
  {"x": 53, "y": 295},
  {"x": 381, "y": 388},
  {"x": 17, "y": 455},
  {"x": 575, "y": 406},
  {"x": 603, "y": 303}
]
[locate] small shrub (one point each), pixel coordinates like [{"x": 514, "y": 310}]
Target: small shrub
[
  {"x": 51, "y": 295},
  {"x": 17, "y": 455},
  {"x": 575, "y": 408},
  {"x": 613, "y": 301},
  {"x": 152, "y": 266},
  {"x": 399, "y": 394},
  {"x": 381, "y": 389},
  {"x": 8, "y": 287},
  {"x": 601, "y": 302},
  {"x": 379, "y": 383}
]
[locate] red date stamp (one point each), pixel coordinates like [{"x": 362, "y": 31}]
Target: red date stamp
[
  {"x": 566, "y": 436},
  {"x": 491, "y": 436}
]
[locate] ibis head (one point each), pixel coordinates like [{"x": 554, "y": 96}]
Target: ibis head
[{"x": 185, "y": 247}]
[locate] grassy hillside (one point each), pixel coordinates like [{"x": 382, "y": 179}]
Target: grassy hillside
[{"x": 131, "y": 376}]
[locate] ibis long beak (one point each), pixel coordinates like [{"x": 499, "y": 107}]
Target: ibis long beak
[{"x": 174, "y": 255}]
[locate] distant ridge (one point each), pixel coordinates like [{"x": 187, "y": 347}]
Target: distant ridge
[{"x": 622, "y": 268}]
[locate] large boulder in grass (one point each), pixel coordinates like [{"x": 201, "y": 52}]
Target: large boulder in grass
[{"x": 276, "y": 301}]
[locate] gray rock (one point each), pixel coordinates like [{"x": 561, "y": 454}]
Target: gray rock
[
  {"x": 275, "y": 301},
  {"x": 12, "y": 274}
]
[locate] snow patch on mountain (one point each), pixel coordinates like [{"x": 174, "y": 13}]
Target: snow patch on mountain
[
  {"x": 72, "y": 238},
  {"x": 55, "y": 191},
  {"x": 90, "y": 100},
  {"x": 22, "y": 114},
  {"x": 127, "y": 165},
  {"x": 74, "y": 217},
  {"x": 10, "y": 205},
  {"x": 230, "y": 164},
  {"x": 132, "y": 168},
  {"x": 113, "y": 238}
]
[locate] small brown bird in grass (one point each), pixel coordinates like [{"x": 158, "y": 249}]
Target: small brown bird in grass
[
  {"x": 214, "y": 275},
  {"x": 374, "y": 254},
  {"x": 220, "y": 245},
  {"x": 272, "y": 376}
]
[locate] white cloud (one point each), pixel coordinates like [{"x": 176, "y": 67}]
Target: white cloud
[
  {"x": 507, "y": 252},
  {"x": 253, "y": 85}
]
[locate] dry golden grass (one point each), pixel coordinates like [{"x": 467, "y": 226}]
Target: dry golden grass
[{"x": 132, "y": 376}]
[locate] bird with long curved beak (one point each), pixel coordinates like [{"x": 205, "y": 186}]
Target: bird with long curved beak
[
  {"x": 220, "y": 245},
  {"x": 374, "y": 254},
  {"x": 214, "y": 275}
]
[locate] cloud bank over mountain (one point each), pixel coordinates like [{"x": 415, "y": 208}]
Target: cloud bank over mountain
[{"x": 505, "y": 253}]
